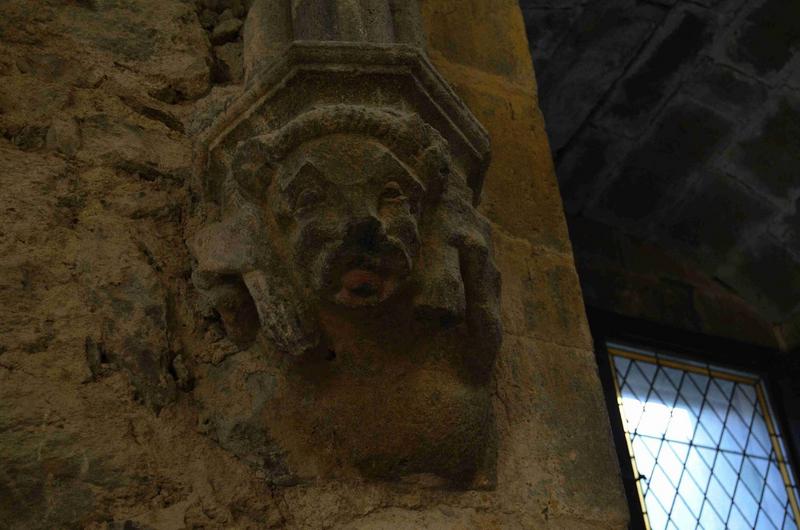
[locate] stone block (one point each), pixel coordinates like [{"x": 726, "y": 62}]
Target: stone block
[
  {"x": 520, "y": 191},
  {"x": 708, "y": 233},
  {"x": 229, "y": 63},
  {"x": 790, "y": 333},
  {"x": 767, "y": 36},
  {"x": 226, "y": 31},
  {"x": 654, "y": 284},
  {"x": 657, "y": 69},
  {"x": 584, "y": 166},
  {"x": 768, "y": 156},
  {"x": 645, "y": 296},
  {"x": 546, "y": 28},
  {"x": 592, "y": 57},
  {"x": 645, "y": 257},
  {"x": 788, "y": 228},
  {"x": 560, "y": 434},
  {"x": 208, "y": 19},
  {"x": 596, "y": 241},
  {"x": 726, "y": 90},
  {"x": 489, "y": 36},
  {"x": 541, "y": 294},
  {"x": 657, "y": 172}
]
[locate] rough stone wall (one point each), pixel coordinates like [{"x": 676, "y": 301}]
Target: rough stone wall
[
  {"x": 677, "y": 122},
  {"x": 99, "y": 100}
]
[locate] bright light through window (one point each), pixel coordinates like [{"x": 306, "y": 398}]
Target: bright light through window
[
  {"x": 657, "y": 420},
  {"x": 704, "y": 445}
]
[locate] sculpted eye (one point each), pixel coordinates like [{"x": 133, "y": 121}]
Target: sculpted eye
[
  {"x": 392, "y": 192},
  {"x": 308, "y": 197}
]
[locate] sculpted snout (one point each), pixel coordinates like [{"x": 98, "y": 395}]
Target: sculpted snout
[
  {"x": 365, "y": 232},
  {"x": 368, "y": 265}
]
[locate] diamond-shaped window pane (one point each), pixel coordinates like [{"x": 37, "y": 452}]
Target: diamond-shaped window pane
[
  {"x": 747, "y": 504},
  {"x": 764, "y": 522},
  {"x": 710, "y": 520},
  {"x": 703, "y": 447},
  {"x": 743, "y": 402},
  {"x": 736, "y": 521},
  {"x": 691, "y": 493},
  {"x": 681, "y": 516}
]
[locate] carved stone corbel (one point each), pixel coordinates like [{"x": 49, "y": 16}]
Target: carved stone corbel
[{"x": 344, "y": 180}]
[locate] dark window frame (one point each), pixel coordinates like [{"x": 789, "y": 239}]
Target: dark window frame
[{"x": 766, "y": 363}]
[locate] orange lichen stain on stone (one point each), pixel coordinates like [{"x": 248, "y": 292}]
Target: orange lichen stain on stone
[{"x": 487, "y": 35}]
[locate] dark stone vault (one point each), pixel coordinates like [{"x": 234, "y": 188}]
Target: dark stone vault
[{"x": 675, "y": 125}]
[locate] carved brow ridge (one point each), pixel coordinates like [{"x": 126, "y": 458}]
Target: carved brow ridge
[{"x": 308, "y": 174}]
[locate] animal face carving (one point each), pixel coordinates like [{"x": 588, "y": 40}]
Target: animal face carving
[
  {"x": 349, "y": 210},
  {"x": 350, "y": 231},
  {"x": 347, "y": 206}
]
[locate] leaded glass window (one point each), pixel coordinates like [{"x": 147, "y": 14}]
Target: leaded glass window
[{"x": 704, "y": 445}]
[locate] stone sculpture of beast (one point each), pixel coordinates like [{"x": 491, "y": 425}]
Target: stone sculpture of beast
[{"x": 349, "y": 242}]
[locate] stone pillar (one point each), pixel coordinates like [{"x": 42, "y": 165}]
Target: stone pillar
[{"x": 271, "y": 25}]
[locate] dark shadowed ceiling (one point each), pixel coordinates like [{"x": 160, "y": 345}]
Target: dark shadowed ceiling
[{"x": 676, "y": 124}]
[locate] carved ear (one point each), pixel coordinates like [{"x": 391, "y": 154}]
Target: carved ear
[
  {"x": 241, "y": 275},
  {"x": 440, "y": 298},
  {"x": 284, "y": 317},
  {"x": 222, "y": 252},
  {"x": 458, "y": 279},
  {"x": 482, "y": 290}
]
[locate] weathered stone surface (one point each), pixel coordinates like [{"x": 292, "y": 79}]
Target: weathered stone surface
[
  {"x": 63, "y": 136},
  {"x": 769, "y": 156},
  {"x": 587, "y": 166},
  {"x": 226, "y": 31},
  {"x": 578, "y": 77},
  {"x": 109, "y": 356},
  {"x": 615, "y": 76},
  {"x": 657, "y": 172},
  {"x": 710, "y": 234},
  {"x": 496, "y": 44},
  {"x": 652, "y": 77},
  {"x": 338, "y": 222},
  {"x": 520, "y": 163},
  {"x": 725, "y": 89},
  {"x": 539, "y": 288},
  {"x": 230, "y": 62},
  {"x": 767, "y": 36}
]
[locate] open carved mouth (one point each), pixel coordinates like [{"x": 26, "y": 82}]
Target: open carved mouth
[
  {"x": 362, "y": 283},
  {"x": 359, "y": 279},
  {"x": 362, "y": 287}
]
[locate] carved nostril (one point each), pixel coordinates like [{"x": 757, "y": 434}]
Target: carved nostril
[{"x": 366, "y": 233}]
